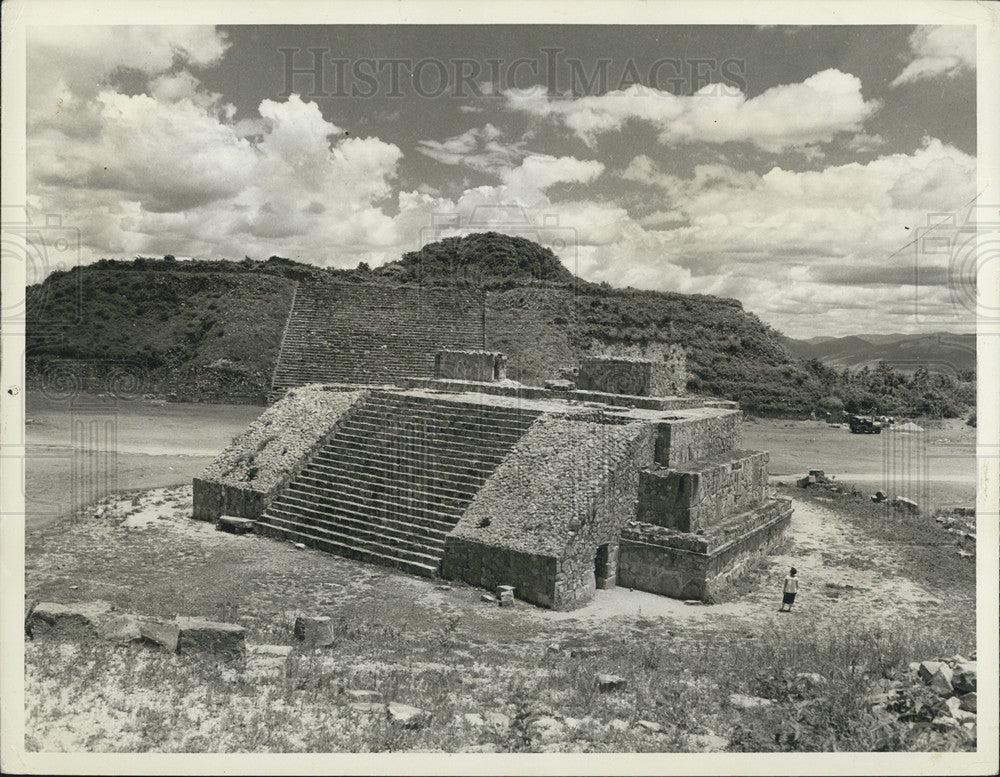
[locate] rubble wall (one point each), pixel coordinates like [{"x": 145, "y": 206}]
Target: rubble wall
[
  {"x": 262, "y": 459},
  {"x": 567, "y": 488}
]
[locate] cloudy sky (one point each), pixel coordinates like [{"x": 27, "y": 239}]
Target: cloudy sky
[{"x": 790, "y": 168}]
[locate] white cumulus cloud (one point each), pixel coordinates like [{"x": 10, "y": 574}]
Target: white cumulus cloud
[
  {"x": 939, "y": 51},
  {"x": 788, "y": 116}
]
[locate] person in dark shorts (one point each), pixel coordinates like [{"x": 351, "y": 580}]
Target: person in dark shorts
[{"x": 790, "y": 589}]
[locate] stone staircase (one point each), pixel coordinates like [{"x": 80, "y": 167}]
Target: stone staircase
[
  {"x": 367, "y": 333},
  {"x": 395, "y": 479}
]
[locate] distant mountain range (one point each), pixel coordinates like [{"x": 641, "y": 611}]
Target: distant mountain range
[{"x": 938, "y": 351}]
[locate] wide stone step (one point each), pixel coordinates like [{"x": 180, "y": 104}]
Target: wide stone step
[
  {"x": 447, "y": 429},
  {"x": 405, "y": 528},
  {"x": 398, "y": 535},
  {"x": 389, "y": 507},
  {"x": 359, "y": 472},
  {"x": 408, "y": 448},
  {"x": 397, "y": 403},
  {"x": 502, "y": 437},
  {"x": 412, "y": 442},
  {"x": 308, "y": 536},
  {"x": 382, "y": 458},
  {"x": 362, "y": 489},
  {"x": 416, "y": 549}
]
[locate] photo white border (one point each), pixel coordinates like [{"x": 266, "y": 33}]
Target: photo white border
[{"x": 18, "y": 14}]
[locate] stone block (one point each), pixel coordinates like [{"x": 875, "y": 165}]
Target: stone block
[
  {"x": 969, "y": 702},
  {"x": 559, "y": 384},
  {"x": 76, "y": 621},
  {"x": 964, "y": 677},
  {"x": 940, "y": 682},
  {"x": 698, "y": 435},
  {"x": 165, "y": 634},
  {"x": 234, "y": 524},
  {"x": 609, "y": 682},
  {"x": 635, "y": 377},
  {"x": 701, "y": 493},
  {"x": 927, "y": 669},
  {"x": 267, "y": 661},
  {"x": 314, "y": 630},
  {"x": 406, "y": 715},
  {"x": 119, "y": 628},
  {"x": 197, "y": 635}
]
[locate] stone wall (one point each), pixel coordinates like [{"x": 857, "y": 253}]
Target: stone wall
[
  {"x": 637, "y": 377},
  {"x": 702, "y": 493},
  {"x": 533, "y": 575},
  {"x": 373, "y": 333},
  {"x": 481, "y": 366},
  {"x": 262, "y": 459},
  {"x": 712, "y": 432},
  {"x": 688, "y": 566},
  {"x": 566, "y": 488},
  {"x": 746, "y": 550}
]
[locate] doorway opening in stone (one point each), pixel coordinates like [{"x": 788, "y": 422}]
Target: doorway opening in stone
[{"x": 601, "y": 566}]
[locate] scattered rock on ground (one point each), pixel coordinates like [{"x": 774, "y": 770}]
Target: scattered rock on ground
[
  {"x": 707, "y": 743},
  {"x": 314, "y": 630},
  {"x": 649, "y": 725},
  {"x": 49, "y": 620},
  {"x": 745, "y": 702},
  {"x": 609, "y": 682},
  {"x": 496, "y": 719},
  {"x": 407, "y": 716},
  {"x": 546, "y": 728},
  {"x": 364, "y": 695},
  {"x": 160, "y": 632},
  {"x": 198, "y": 635}
]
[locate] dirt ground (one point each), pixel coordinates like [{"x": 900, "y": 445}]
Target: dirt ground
[
  {"x": 435, "y": 644},
  {"x": 146, "y": 555}
]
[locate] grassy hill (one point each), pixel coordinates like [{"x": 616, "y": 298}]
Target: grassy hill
[{"x": 211, "y": 330}]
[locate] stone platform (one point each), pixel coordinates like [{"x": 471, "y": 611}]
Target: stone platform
[{"x": 555, "y": 493}]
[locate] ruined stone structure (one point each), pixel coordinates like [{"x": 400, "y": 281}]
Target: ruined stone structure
[
  {"x": 479, "y": 366},
  {"x": 556, "y": 493},
  {"x": 375, "y": 334}
]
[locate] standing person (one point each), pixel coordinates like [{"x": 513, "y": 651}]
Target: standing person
[{"x": 790, "y": 589}]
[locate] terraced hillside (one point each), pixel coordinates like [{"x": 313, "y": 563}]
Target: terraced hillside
[{"x": 212, "y": 331}]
